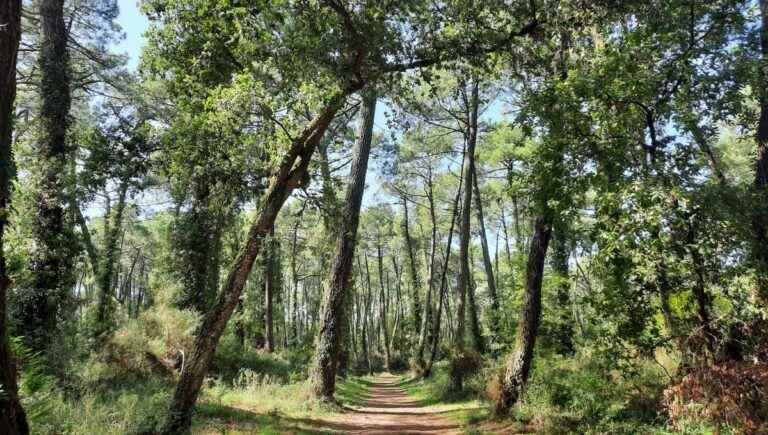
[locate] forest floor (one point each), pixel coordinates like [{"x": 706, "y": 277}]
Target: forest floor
[{"x": 384, "y": 404}]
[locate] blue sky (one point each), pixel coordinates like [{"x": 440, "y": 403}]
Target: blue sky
[{"x": 134, "y": 24}]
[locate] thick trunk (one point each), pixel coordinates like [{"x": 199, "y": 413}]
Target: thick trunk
[
  {"x": 51, "y": 264},
  {"x": 291, "y": 173},
  {"x": 760, "y": 219},
  {"x": 464, "y": 230},
  {"x": 412, "y": 267},
  {"x": 518, "y": 364},
  {"x": 337, "y": 286},
  {"x": 12, "y": 416},
  {"x": 492, "y": 295},
  {"x": 105, "y": 305}
]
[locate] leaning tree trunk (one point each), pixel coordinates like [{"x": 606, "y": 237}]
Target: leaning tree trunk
[
  {"x": 464, "y": 234},
  {"x": 333, "y": 318},
  {"x": 51, "y": 264},
  {"x": 760, "y": 219},
  {"x": 12, "y": 416},
  {"x": 518, "y": 364},
  {"x": 383, "y": 305},
  {"x": 291, "y": 173}
]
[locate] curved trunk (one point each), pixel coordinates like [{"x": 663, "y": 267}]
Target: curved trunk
[
  {"x": 492, "y": 295},
  {"x": 333, "y": 317},
  {"x": 12, "y": 416}
]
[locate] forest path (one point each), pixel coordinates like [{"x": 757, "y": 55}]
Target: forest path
[{"x": 388, "y": 409}]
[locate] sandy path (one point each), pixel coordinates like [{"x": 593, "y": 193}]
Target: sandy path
[{"x": 389, "y": 410}]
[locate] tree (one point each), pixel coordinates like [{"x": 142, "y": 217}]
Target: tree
[
  {"x": 12, "y": 416},
  {"x": 337, "y": 286}
]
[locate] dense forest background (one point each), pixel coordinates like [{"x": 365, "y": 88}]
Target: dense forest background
[{"x": 554, "y": 210}]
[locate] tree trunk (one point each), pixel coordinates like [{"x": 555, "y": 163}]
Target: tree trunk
[
  {"x": 105, "y": 306},
  {"x": 412, "y": 268},
  {"x": 51, "y": 264},
  {"x": 464, "y": 231},
  {"x": 291, "y": 173},
  {"x": 383, "y": 305},
  {"x": 518, "y": 364},
  {"x": 12, "y": 416},
  {"x": 431, "y": 284},
  {"x": 337, "y": 286},
  {"x": 760, "y": 219},
  {"x": 486, "y": 257},
  {"x": 443, "y": 285}
]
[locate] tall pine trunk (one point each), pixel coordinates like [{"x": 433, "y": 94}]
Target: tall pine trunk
[
  {"x": 333, "y": 317},
  {"x": 105, "y": 305},
  {"x": 464, "y": 232},
  {"x": 12, "y": 416},
  {"x": 412, "y": 267}
]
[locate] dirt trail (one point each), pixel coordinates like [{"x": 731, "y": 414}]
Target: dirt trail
[{"x": 389, "y": 410}]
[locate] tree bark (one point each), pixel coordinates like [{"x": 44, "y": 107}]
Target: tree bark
[
  {"x": 12, "y": 416},
  {"x": 337, "y": 286},
  {"x": 291, "y": 173},
  {"x": 412, "y": 267},
  {"x": 51, "y": 264},
  {"x": 518, "y": 364},
  {"x": 760, "y": 219}
]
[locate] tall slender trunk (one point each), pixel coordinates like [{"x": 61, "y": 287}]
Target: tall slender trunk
[
  {"x": 333, "y": 318},
  {"x": 51, "y": 264},
  {"x": 760, "y": 219},
  {"x": 431, "y": 284},
  {"x": 464, "y": 230},
  {"x": 492, "y": 295},
  {"x": 291, "y": 173},
  {"x": 518, "y": 364},
  {"x": 105, "y": 305},
  {"x": 383, "y": 304},
  {"x": 443, "y": 285},
  {"x": 12, "y": 416},
  {"x": 412, "y": 267},
  {"x": 478, "y": 341}
]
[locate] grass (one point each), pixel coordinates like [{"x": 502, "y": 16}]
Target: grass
[{"x": 259, "y": 407}]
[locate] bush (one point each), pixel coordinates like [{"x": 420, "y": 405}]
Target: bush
[{"x": 733, "y": 394}]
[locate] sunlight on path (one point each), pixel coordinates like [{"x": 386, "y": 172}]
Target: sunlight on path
[{"x": 388, "y": 410}]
